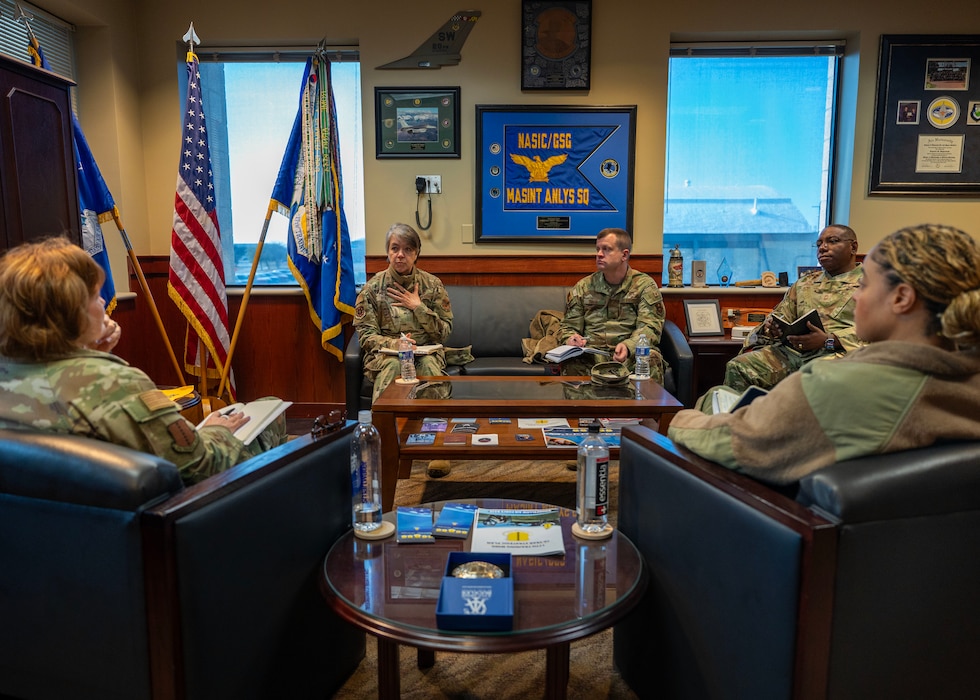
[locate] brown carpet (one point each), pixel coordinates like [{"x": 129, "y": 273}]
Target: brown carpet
[{"x": 497, "y": 676}]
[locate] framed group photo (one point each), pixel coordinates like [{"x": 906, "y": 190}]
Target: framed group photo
[
  {"x": 927, "y": 116},
  {"x": 553, "y": 173},
  {"x": 418, "y": 122}
]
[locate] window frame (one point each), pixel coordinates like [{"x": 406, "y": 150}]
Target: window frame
[{"x": 722, "y": 241}]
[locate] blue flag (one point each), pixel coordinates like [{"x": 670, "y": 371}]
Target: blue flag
[
  {"x": 309, "y": 192},
  {"x": 94, "y": 199}
]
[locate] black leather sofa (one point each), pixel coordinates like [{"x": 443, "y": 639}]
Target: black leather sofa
[
  {"x": 493, "y": 320},
  {"x": 860, "y": 584},
  {"x": 116, "y": 581}
]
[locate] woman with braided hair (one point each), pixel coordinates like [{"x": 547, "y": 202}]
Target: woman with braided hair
[{"x": 916, "y": 383}]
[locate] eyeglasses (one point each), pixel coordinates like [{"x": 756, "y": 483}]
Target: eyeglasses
[{"x": 830, "y": 241}]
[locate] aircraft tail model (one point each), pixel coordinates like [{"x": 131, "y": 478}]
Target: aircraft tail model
[{"x": 442, "y": 48}]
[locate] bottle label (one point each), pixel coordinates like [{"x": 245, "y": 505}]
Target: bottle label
[
  {"x": 602, "y": 486},
  {"x": 404, "y": 355},
  {"x": 642, "y": 351}
]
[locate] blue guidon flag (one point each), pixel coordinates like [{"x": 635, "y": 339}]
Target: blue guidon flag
[
  {"x": 94, "y": 199},
  {"x": 309, "y": 192}
]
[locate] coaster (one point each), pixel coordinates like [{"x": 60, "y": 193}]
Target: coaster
[
  {"x": 636, "y": 378},
  {"x": 604, "y": 533},
  {"x": 386, "y": 530},
  {"x": 399, "y": 380}
]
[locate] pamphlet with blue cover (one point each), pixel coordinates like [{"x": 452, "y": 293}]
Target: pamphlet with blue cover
[{"x": 455, "y": 520}]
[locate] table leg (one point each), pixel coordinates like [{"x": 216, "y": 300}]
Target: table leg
[
  {"x": 426, "y": 658},
  {"x": 389, "y": 681},
  {"x": 556, "y": 675},
  {"x": 390, "y": 450}
]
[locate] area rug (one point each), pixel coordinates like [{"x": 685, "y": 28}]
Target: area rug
[{"x": 496, "y": 676}]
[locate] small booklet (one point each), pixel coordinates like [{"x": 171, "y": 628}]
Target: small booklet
[
  {"x": 797, "y": 327},
  {"x": 565, "y": 352},
  {"x": 542, "y": 423},
  {"x": 421, "y": 439},
  {"x": 413, "y": 524},
  {"x": 419, "y": 349},
  {"x": 261, "y": 413},
  {"x": 531, "y": 531},
  {"x": 434, "y": 425},
  {"x": 455, "y": 520},
  {"x": 725, "y": 401},
  {"x": 484, "y": 440}
]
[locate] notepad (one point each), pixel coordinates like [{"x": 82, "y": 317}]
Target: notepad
[{"x": 261, "y": 413}]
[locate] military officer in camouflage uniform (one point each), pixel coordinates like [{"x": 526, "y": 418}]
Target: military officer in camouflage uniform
[
  {"x": 610, "y": 308},
  {"x": 56, "y": 373},
  {"x": 402, "y": 299},
  {"x": 764, "y": 361}
]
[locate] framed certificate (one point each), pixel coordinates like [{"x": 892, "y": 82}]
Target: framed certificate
[{"x": 703, "y": 317}]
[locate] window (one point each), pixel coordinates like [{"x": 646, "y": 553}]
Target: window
[
  {"x": 251, "y": 102},
  {"x": 750, "y": 143},
  {"x": 54, "y": 35}
]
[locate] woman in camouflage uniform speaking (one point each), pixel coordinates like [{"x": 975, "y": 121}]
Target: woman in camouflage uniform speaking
[{"x": 57, "y": 374}]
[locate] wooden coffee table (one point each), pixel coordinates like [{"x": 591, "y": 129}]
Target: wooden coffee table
[
  {"x": 399, "y": 411},
  {"x": 391, "y": 590}
]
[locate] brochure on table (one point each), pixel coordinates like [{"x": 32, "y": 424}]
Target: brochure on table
[{"x": 529, "y": 531}]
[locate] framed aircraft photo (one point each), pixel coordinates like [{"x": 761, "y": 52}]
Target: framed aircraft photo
[{"x": 418, "y": 122}]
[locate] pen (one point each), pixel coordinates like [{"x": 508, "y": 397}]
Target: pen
[{"x": 228, "y": 412}]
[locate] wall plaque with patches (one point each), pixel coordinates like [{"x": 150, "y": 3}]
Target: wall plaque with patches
[
  {"x": 556, "y": 44},
  {"x": 546, "y": 173}
]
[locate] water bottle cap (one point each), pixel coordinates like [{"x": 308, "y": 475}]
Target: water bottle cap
[{"x": 364, "y": 416}]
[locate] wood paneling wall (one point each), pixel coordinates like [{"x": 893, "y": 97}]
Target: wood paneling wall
[{"x": 278, "y": 351}]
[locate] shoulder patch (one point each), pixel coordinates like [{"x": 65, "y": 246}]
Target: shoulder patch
[
  {"x": 360, "y": 311},
  {"x": 181, "y": 433},
  {"x": 155, "y": 399}
]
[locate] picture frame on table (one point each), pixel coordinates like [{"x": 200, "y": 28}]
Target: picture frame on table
[
  {"x": 553, "y": 172},
  {"x": 417, "y": 122},
  {"x": 556, "y": 44},
  {"x": 927, "y": 116},
  {"x": 703, "y": 317}
]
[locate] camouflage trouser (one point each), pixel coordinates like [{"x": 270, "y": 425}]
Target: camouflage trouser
[
  {"x": 764, "y": 367},
  {"x": 581, "y": 366},
  {"x": 425, "y": 366}
]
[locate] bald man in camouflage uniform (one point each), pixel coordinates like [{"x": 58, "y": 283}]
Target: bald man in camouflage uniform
[
  {"x": 609, "y": 310},
  {"x": 765, "y": 361},
  {"x": 402, "y": 299},
  {"x": 97, "y": 395}
]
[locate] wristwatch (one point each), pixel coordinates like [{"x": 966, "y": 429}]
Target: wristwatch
[{"x": 830, "y": 345}]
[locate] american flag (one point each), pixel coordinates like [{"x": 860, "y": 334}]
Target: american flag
[{"x": 197, "y": 277}]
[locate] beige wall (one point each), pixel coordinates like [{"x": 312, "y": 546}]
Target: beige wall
[{"x": 130, "y": 96}]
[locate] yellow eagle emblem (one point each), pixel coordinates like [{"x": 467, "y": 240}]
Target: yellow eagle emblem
[{"x": 538, "y": 168}]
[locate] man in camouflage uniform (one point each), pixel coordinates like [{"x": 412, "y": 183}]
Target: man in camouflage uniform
[
  {"x": 402, "y": 299},
  {"x": 764, "y": 361},
  {"x": 610, "y": 308},
  {"x": 98, "y": 395}
]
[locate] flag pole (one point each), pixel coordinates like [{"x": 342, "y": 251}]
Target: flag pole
[
  {"x": 248, "y": 291},
  {"x": 149, "y": 296}
]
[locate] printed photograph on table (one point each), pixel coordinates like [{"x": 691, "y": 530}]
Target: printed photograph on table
[
  {"x": 924, "y": 136},
  {"x": 553, "y": 173},
  {"x": 420, "y": 122}
]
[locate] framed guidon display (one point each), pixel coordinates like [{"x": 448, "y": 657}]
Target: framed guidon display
[
  {"x": 418, "y": 122},
  {"x": 927, "y": 116},
  {"x": 553, "y": 173},
  {"x": 556, "y": 44}
]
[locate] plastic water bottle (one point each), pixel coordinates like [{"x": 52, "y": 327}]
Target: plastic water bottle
[
  {"x": 592, "y": 489},
  {"x": 642, "y": 369},
  {"x": 365, "y": 468},
  {"x": 406, "y": 355}
]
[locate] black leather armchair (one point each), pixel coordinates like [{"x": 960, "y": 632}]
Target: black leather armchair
[
  {"x": 116, "y": 581},
  {"x": 493, "y": 320},
  {"x": 863, "y": 583}
]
